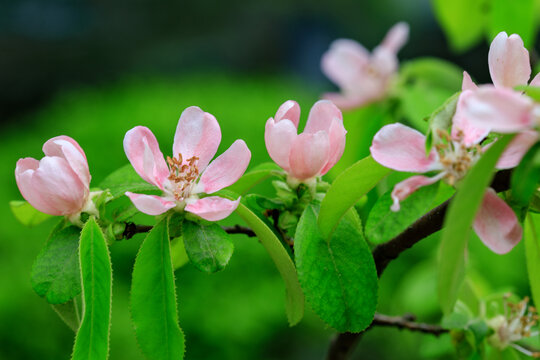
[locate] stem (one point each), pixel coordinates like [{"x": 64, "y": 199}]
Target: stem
[{"x": 133, "y": 229}]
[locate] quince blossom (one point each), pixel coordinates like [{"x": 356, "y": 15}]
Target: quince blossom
[
  {"x": 58, "y": 184},
  {"x": 363, "y": 77},
  {"x": 313, "y": 152},
  {"x": 189, "y": 172}
]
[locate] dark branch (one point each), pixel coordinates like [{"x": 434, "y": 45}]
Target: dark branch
[
  {"x": 133, "y": 229},
  {"x": 237, "y": 229},
  {"x": 407, "y": 322},
  {"x": 430, "y": 223}
]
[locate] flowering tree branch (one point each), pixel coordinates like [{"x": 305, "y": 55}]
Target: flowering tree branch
[{"x": 133, "y": 229}]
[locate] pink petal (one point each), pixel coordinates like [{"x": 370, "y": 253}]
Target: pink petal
[
  {"x": 150, "y": 204},
  {"x": 516, "y": 149},
  {"x": 337, "y": 134},
  {"x": 197, "y": 134},
  {"x": 535, "y": 81},
  {"x": 508, "y": 61},
  {"x": 405, "y": 188},
  {"x": 463, "y": 128},
  {"x": 401, "y": 148},
  {"x": 24, "y": 171},
  {"x": 321, "y": 116},
  {"x": 226, "y": 169},
  {"x": 278, "y": 138},
  {"x": 289, "y": 110},
  {"x": 213, "y": 208},
  {"x": 309, "y": 154},
  {"x": 500, "y": 109},
  {"x": 67, "y": 148},
  {"x": 54, "y": 187},
  {"x": 467, "y": 83},
  {"x": 496, "y": 224},
  {"x": 142, "y": 150},
  {"x": 396, "y": 37},
  {"x": 383, "y": 63},
  {"x": 344, "y": 61},
  {"x": 347, "y": 101}
]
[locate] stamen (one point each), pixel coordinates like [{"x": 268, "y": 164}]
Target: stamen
[{"x": 182, "y": 175}]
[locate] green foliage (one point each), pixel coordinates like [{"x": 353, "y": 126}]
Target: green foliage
[
  {"x": 69, "y": 312},
  {"x": 256, "y": 175},
  {"x": 532, "y": 254},
  {"x": 384, "y": 224},
  {"x": 525, "y": 177},
  {"x": 153, "y": 298},
  {"x": 27, "y": 214},
  {"x": 92, "y": 341},
  {"x": 125, "y": 179},
  {"x": 55, "y": 273},
  {"x": 458, "y": 221},
  {"x": 441, "y": 119},
  {"x": 514, "y": 17},
  {"x": 346, "y": 190},
  {"x": 337, "y": 272},
  {"x": 208, "y": 247}
]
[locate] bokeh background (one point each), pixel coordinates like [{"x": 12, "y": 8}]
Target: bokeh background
[{"x": 94, "y": 69}]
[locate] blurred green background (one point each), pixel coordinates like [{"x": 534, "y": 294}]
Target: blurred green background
[{"x": 93, "y": 70}]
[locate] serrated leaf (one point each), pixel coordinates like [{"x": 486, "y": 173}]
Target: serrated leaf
[
  {"x": 255, "y": 176},
  {"x": 92, "y": 341},
  {"x": 458, "y": 222},
  {"x": 26, "y": 214},
  {"x": 532, "y": 254},
  {"x": 55, "y": 273},
  {"x": 69, "y": 312},
  {"x": 347, "y": 189},
  {"x": 153, "y": 298},
  {"x": 383, "y": 224},
  {"x": 294, "y": 303},
  {"x": 526, "y": 176},
  {"x": 338, "y": 273},
  {"x": 125, "y": 179},
  {"x": 208, "y": 247}
]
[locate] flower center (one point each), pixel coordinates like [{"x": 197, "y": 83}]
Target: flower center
[
  {"x": 455, "y": 157},
  {"x": 182, "y": 175}
]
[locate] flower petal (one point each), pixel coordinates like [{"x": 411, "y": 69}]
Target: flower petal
[
  {"x": 347, "y": 101},
  {"x": 67, "y": 148},
  {"x": 535, "y": 81},
  {"x": 343, "y": 63},
  {"x": 496, "y": 224},
  {"x": 499, "y": 109},
  {"x": 142, "y": 150},
  {"x": 24, "y": 172},
  {"x": 321, "y": 116},
  {"x": 463, "y": 129},
  {"x": 278, "y": 138},
  {"x": 337, "y": 134},
  {"x": 309, "y": 153},
  {"x": 396, "y": 37},
  {"x": 508, "y": 61},
  {"x": 516, "y": 149},
  {"x": 405, "y": 188},
  {"x": 226, "y": 169},
  {"x": 289, "y": 110},
  {"x": 401, "y": 148},
  {"x": 197, "y": 134},
  {"x": 467, "y": 83},
  {"x": 213, "y": 208},
  {"x": 150, "y": 204}
]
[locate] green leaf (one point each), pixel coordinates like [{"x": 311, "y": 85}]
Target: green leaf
[
  {"x": 458, "y": 222},
  {"x": 70, "y": 313},
  {"x": 525, "y": 177},
  {"x": 153, "y": 298},
  {"x": 257, "y": 175},
  {"x": 125, "y": 179},
  {"x": 346, "y": 190},
  {"x": 514, "y": 17},
  {"x": 338, "y": 273},
  {"x": 92, "y": 341},
  {"x": 532, "y": 254},
  {"x": 463, "y": 21},
  {"x": 208, "y": 247},
  {"x": 55, "y": 273},
  {"x": 294, "y": 303},
  {"x": 532, "y": 91},
  {"x": 441, "y": 119},
  {"x": 27, "y": 214},
  {"x": 178, "y": 253},
  {"x": 433, "y": 72},
  {"x": 384, "y": 224}
]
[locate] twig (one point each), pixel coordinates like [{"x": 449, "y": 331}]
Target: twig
[
  {"x": 237, "y": 229},
  {"x": 133, "y": 229},
  {"x": 407, "y": 322}
]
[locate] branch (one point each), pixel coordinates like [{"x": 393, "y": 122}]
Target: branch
[
  {"x": 133, "y": 229},
  {"x": 430, "y": 223},
  {"x": 407, "y": 322}
]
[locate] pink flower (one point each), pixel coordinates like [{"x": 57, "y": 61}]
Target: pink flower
[
  {"x": 313, "y": 152},
  {"x": 363, "y": 77},
  {"x": 401, "y": 148},
  {"x": 189, "y": 172},
  {"x": 58, "y": 184}
]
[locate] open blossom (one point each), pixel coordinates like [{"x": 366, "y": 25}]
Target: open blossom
[
  {"x": 313, "y": 152},
  {"x": 189, "y": 172},
  {"x": 361, "y": 76},
  {"x": 498, "y": 107},
  {"x": 401, "y": 148},
  {"x": 58, "y": 184}
]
